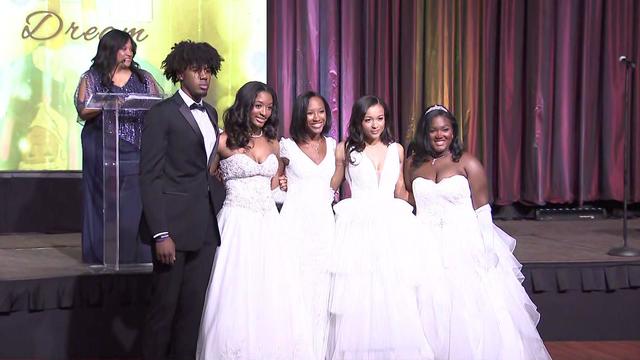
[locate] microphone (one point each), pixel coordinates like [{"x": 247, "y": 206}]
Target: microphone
[{"x": 625, "y": 60}]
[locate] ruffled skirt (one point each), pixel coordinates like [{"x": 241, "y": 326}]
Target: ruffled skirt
[
  {"x": 375, "y": 270},
  {"x": 469, "y": 309}
]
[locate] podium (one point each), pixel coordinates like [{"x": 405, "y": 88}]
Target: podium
[{"x": 113, "y": 105}]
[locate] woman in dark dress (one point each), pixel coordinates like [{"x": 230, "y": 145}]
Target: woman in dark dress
[{"x": 113, "y": 71}]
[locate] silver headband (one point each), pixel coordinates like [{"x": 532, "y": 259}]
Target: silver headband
[{"x": 436, "y": 107}]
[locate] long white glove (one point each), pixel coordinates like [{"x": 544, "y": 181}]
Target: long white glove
[
  {"x": 486, "y": 229},
  {"x": 278, "y": 195}
]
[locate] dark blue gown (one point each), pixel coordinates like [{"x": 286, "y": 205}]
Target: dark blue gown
[{"x": 132, "y": 250}]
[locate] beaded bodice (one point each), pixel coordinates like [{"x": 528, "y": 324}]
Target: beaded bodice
[{"x": 247, "y": 182}]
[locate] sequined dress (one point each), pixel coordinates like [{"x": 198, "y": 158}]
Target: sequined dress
[{"x": 130, "y": 132}]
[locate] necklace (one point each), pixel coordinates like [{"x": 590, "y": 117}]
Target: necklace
[
  {"x": 256, "y": 135},
  {"x": 315, "y": 146},
  {"x": 433, "y": 159}
]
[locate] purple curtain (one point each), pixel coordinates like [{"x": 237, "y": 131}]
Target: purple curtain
[{"x": 536, "y": 85}]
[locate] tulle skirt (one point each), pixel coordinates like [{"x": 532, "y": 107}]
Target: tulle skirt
[
  {"x": 469, "y": 309},
  {"x": 375, "y": 271},
  {"x": 253, "y": 308},
  {"x": 309, "y": 229}
]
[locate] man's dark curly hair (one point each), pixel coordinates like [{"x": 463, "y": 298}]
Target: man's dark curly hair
[{"x": 186, "y": 54}]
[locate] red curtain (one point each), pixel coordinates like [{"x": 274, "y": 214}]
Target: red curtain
[{"x": 536, "y": 84}]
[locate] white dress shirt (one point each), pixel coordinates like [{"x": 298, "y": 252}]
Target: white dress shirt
[{"x": 204, "y": 123}]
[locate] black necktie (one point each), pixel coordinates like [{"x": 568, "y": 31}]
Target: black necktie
[{"x": 196, "y": 106}]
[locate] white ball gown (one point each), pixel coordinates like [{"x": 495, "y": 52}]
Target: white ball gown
[
  {"x": 470, "y": 309},
  {"x": 253, "y": 309},
  {"x": 374, "y": 307},
  {"x": 309, "y": 229}
]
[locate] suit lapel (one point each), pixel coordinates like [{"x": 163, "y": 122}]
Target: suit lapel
[{"x": 186, "y": 113}]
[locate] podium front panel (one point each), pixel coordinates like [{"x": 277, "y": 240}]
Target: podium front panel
[
  {"x": 111, "y": 190},
  {"x": 113, "y": 106}
]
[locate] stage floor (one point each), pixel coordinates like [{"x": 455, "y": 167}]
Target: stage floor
[
  {"x": 46, "y": 291},
  {"x": 37, "y": 256}
]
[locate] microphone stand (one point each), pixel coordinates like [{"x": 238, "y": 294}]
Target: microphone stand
[{"x": 625, "y": 249}]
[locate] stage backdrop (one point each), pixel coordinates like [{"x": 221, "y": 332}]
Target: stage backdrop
[
  {"x": 46, "y": 45},
  {"x": 536, "y": 84}
]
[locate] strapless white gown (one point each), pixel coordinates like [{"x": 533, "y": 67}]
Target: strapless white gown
[
  {"x": 253, "y": 309},
  {"x": 470, "y": 311}
]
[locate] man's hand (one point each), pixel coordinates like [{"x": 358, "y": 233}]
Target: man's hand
[{"x": 166, "y": 251}]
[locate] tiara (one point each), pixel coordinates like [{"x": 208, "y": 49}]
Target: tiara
[{"x": 436, "y": 107}]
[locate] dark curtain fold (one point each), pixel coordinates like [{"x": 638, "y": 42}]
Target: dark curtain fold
[{"x": 536, "y": 84}]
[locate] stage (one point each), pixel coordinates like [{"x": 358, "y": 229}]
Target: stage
[{"x": 54, "y": 307}]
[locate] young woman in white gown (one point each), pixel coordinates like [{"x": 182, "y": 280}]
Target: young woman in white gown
[
  {"x": 472, "y": 304},
  {"x": 309, "y": 158},
  {"x": 374, "y": 309},
  {"x": 253, "y": 308}
]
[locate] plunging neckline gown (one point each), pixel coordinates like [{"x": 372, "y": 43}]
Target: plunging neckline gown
[{"x": 375, "y": 268}]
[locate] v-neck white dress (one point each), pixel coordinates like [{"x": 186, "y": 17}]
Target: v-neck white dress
[
  {"x": 309, "y": 225},
  {"x": 309, "y": 228},
  {"x": 375, "y": 268}
]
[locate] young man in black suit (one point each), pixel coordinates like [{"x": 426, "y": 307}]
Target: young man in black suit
[{"x": 179, "y": 141}]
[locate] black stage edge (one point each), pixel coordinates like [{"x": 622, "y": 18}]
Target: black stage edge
[
  {"x": 100, "y": 315},
  {"x": 586, "y": 301},
  {"x": 44, "y": 202},
  {"x": 76, "y": 317}
]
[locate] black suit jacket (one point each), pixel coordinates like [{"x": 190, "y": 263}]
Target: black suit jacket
[{"x": 175, "y": 183}]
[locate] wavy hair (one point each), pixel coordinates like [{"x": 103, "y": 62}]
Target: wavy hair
[
  {"x": 355, "y": 139},
  {"x": 420, "y": 146},
  {"x": 237, "y": 118},
  {"x": 298, "y": 127},
  {"x": 105, "y": 60}
]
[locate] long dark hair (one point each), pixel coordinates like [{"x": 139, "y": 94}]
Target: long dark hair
[
  {"x": 106, "y": 57},
  {"x": 237, "y": 120},
  {"x": 355, "y": 139},
  {"x": 420, "y": 146},
  {"x": 298, "y": 126}
]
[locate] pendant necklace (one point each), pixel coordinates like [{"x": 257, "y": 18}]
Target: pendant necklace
[{"x": 433, "y": 159}]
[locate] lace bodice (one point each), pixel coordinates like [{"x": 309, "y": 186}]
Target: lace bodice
[
  {"x": 306, "y": 178},
  {"x": 363, "y": 178},
  {"x": 445, "y": 201},
  {"x": 247, "y": 182}
]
